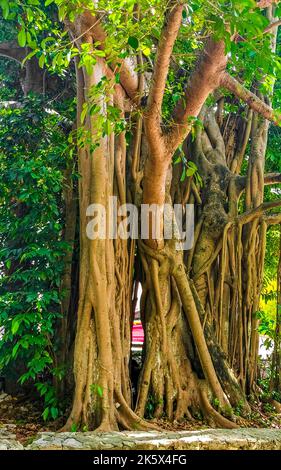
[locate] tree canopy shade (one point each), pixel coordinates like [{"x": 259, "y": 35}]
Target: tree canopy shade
[{"x": 177, "y": 103}]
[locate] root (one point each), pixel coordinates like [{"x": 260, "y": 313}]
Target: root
[
  {"x": 211, "y": 415},
  {"x": 193, "y": 319},
  {"x": 131, "y": 420},
  {"x": 276, "y": 405}
]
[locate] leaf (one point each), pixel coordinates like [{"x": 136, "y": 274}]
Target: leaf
[
  {"x": 15, "y": 349},
  {"x": 83, "y": 114},
  {"x": 29, "y": 13},
  {"x": 177, "y": 160},
  {"x": 8, "y": 263},
  {"x": 22, "y": 37},
  {"x": 46, "y": 413},
  {"x": 54, "y": 412},
  {"x": 95, "y": 388},
  {"x": 146, "y": 50},
  {"x": 48, "y": 2},
  {"x": 42, "y": 61},
  {"x": 89, "y": 68},
  {"x": 107, "y": 127},
  {"x": 183, "y": 175},
  {"x": 5, "y": 8},
  {"x": 15, "y": 326},
  {"x": 29, "y": 56},
  {"x": 133, "y": 42},
  {"x": 99, "y": 53}
]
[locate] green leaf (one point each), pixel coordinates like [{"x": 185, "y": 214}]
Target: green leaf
[
  {"x": 107, "y": 127},
  {"x": 133, "y": 42},
  {"x": 95, "y": 388},
  {"x": 42, "y": 61},
  {"x": 22, "y": 37},
  {"x": 83, "y": 114},
  {"x": 8, "y": 263},
  {"x": 29, "y": 14},
  {"x": 15, "y": 349},
  {"x": 48, "y": 2},
  {"x": 15, "y": 326},
  {"x": 5, "y": 8},
  {"x": 54, "y": 412},
  {"x": 146, "y": 50},
  {"x": 46, "y": 413},
  {"x": 89, "y": 68},
  {"x": 183, "y": 175},
  {"x": 29, "y": 56}
]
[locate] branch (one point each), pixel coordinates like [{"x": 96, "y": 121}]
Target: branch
[
  {"x": 91, "y": 25},
  {"x": 164, "y": 51},
  {"x": 250, "y": 98},
  {"x": 271, "y": 26},
  {"x": 257, "y": 212},
  {"x": 273, "y": 219},
  {"x": 162, "y": 62},
  {"x": 272, "y": 178},
  {"x": 268, "y": 29},
  {"x": 266, "y": 3},
  {"x": 12, "y": 50},
  {"x": 204, "y": 80},
  {"x": 128, "y": 76}
]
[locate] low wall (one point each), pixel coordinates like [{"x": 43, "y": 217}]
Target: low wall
[{"x": 209, "y": 439}]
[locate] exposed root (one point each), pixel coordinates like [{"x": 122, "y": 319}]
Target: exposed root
[{"x": 212, "y": 416}]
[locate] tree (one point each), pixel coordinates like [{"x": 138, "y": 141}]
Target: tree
[{"x": 198, "y": 308}]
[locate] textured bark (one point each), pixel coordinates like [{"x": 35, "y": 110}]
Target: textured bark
[
  {"x": 275, "y": 382},
  {"x": 196, "y": 325},
  {"x": 102, "y": 397}
]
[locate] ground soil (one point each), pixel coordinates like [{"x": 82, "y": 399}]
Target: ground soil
[{"x": 24, "y": 416}]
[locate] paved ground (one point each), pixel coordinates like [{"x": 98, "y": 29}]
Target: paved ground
[
  {"x": 8, "y": 438},
  {"x": 250, "y": 438}
]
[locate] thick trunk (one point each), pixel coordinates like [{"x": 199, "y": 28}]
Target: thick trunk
[
  {"x": 102, "y": 397},
  {"x": 179, "y": 378}
]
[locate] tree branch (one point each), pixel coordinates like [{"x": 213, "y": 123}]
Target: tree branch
[
  {"x": 268, "y": 29},
  {"x": 12, "y": 50},
  {"x": 204, "y": 80},
  {"x": 128, "y": 75},
  {"x": 162, "y": 62},
  {"x": 161, "y": 68},
  {"x": 257, "y": 212},
  {"x": 273, "y": 219},
  {"x": 250, "y": 98},
  {"x": 271, "y": 26},
  {"x": 272, "y": 178},
  {"x": 266, "y": 3},
  {"x": 90, "y": 25}
]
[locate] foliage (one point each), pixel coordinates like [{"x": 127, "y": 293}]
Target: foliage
[{"x": 32, "y": 159}]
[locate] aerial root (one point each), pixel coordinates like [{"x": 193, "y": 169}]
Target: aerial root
[{"x": 213, "y": 416}]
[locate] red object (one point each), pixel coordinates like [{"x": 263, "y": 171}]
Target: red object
[{"x": 138, "y": 333}]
